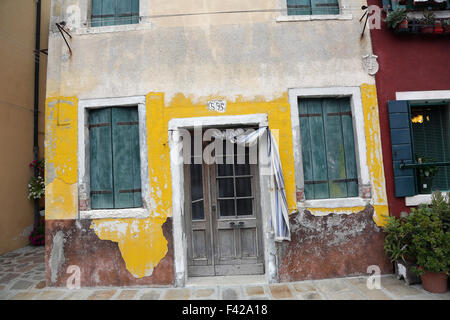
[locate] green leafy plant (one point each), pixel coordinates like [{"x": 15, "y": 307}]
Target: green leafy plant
[
  {"x": 440, "y": 203},
  {"x": 36, "y": 185},
  {"x": 427, "y": 171},
  {"x": 395, "y": 243},
  {"x": 429, "y": 243},
  {"x": 395, "y": 17},
  {"x": 428, "y": 18}
]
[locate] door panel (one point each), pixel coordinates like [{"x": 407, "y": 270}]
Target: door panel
[{"x": 223, "y": 222}]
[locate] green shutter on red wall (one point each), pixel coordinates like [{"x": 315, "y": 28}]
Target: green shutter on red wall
[
  {"x": 101, "y": 159},
  {"x": 402, "y": 147}
]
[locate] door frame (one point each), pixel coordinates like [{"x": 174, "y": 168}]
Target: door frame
[{"x": 177, "y": 174}]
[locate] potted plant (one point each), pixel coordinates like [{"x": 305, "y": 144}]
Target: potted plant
[
  {"x": 430, "y": 244},
  {"x": 446, "y": 26},
  {"x": 397, "y": 19},
  {"x": 438, "y": 27},
  {"x": 425, "y": 175},
  {"x": 397, "y": 248},
  {"x": 427, "y": 22}
]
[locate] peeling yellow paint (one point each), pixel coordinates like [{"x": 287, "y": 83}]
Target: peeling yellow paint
[
  {"x": 374, "y": 152},
  {"x": 180, "y": 106},
  {"x": 340, "y": 210},
  {"x": 61, "y": 193},
  {"x": 141, "y": 242}
]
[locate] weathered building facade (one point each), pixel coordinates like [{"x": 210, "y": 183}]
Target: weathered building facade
[{"x": 122, "y": 208}]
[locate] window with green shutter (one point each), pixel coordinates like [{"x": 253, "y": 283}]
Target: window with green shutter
[
  {"x": 419, "y": 130},
  {"x": 431, "y": 138},
  {"x": 328, "y": 148},
  {"x": 309, "y": 7},
  {"x": 115, "y": 179},
  {"x": 114, "y": 12}
]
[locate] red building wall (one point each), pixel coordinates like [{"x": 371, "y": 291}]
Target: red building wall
[{"x": 408, "y": 62}]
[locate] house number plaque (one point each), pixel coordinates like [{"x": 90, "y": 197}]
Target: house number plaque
[{"x": 217, "y": 105}]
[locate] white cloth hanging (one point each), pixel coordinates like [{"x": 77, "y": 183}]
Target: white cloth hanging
[{"x": 280, "y": 211}]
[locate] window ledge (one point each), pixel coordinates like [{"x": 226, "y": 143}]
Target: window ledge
[
  {"x": 439, "y": 14},
  {"x": 334, "y": 203},
  {"x": 283, "y": 18},
  {"x": 118, "y": 28},
  {"x": 114, "y": 213},
  {"x": 419, "y": 199}
]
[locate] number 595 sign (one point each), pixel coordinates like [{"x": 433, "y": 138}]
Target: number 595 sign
[{"x": 217, "y": 105}]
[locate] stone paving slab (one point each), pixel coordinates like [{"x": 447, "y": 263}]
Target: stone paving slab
[{"x": 22, "y": 277}]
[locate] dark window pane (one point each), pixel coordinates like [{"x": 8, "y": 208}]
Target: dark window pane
[
  {"x": 196, "y": 182},
  {"x": 244, "y": 207},
  {"x": 198, "y": 211},
  {"x": 226, "y": 207},
  {"x": 243, "y": 187},
  {"x": 242, "y": 164},
  {"x": 225, "y": 169},
  {"x": 226, "y": 188}
]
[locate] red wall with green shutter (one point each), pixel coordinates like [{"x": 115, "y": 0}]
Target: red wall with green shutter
[{"x": 407, "y": 63}]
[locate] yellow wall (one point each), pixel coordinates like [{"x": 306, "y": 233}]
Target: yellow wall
[
  {"x": 141, "y": 241},
  {"x": 17, "y": 38}
]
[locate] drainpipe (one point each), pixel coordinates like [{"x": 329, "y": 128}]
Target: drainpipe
[{"x": 36, "y": 103}]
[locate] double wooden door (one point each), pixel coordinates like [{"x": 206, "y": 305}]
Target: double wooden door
[{"x": 223, "y": 225}]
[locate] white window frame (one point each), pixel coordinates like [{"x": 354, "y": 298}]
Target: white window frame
[
  {"x": 344, "y": 14},
  {"x": 86, "y": 12},
  {"x": 354, "y": 93},
  {"x": 418, "y": 96},
  {"x": 84, "y": 160}
]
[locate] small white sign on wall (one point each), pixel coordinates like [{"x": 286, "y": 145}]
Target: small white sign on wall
[{"x": 217, "y": 105}]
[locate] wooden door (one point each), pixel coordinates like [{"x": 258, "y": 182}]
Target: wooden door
[{"x": 223, "y": 223}]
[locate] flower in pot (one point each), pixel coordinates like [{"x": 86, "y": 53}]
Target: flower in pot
[
  {"x": 427, "y": 22},
  {"x": 438, "y": 27},
  {"x": 430, "y": 244},
  {"x": 397, "y": 19},
  {"x": 426, "y": 175},
  {"x": 446, "y": 26}
]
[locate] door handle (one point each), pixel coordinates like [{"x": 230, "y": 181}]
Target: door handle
[
  {"x": 232, "y": 224},
  {"x": 241, "y": 223}
]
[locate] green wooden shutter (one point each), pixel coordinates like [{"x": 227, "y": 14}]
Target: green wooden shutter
[
  {"x": 101, "y": 183},
  {"x": 108, "y": 12},
  {"x": 96, "y": 13},
  {"x": 349, "y": 147},
  {"x": 134, "y": 11},
  {"x": 402, "y": 147},
  {"x": 324, "y": 7},
  {"x": 298, "y": 7},
  {"x": 126, "y": 158},
  {"x": 328, "y": 148}
]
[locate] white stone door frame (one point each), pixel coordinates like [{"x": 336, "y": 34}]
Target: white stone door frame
[{"x": 177, "y": 174}]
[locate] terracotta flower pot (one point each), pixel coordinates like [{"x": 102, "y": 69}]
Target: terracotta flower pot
[
  {"x": 427, "y": 29},
  {"x": 438, "y": 27},
  {"x": 403, "y": 25},
  {"x": 434, "y": 282}
]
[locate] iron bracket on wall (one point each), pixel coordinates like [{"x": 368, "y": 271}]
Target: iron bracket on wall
[{"x": 63, "y": 31}]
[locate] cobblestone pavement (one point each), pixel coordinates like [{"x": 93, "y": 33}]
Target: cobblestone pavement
[{"x": 22, "y": 277}]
